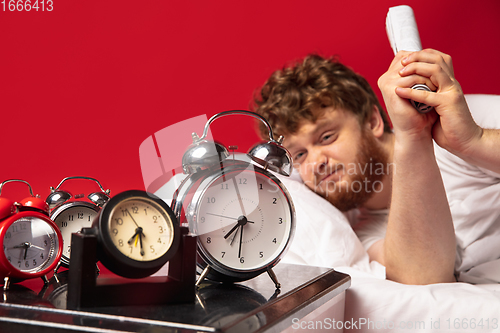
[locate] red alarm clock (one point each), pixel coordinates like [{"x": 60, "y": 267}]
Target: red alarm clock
[{"x": 30, "y": 241}]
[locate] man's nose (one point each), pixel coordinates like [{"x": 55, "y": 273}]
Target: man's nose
[{"x": 317, "y": 160}]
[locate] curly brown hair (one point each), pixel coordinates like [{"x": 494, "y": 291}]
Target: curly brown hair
[{"x": 302, "y": 90}]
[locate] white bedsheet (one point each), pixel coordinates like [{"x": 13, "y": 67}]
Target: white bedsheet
[
  {"x": 386, "y": 306},
  {"x": 325, "y": 238}
]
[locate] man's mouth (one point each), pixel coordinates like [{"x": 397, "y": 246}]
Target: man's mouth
[{"x": 333, "y": 174}]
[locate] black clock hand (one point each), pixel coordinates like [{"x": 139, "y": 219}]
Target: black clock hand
[
  {"x": 131, "y": 240},
  {"x": 141, "y": 234},
  {"x": 241, "y": 241},
  {"x": 242, "y": 220},
  {"x": 231, "y": 231},
  {"x": 24, "y": 245},
  {"x": 132, "y": 218}
]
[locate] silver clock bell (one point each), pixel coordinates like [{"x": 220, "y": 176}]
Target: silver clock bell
[{"x": 270, "y": 155}]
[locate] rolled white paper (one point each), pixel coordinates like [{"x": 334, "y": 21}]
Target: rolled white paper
[
  {"x": 402, "y": 29},
  {"x": 403, "y": 35}
]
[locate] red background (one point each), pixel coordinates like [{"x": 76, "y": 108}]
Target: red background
[{"x": 82, "y": 86}]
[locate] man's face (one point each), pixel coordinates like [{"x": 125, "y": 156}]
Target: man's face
[{"x": 338, "y": 158}]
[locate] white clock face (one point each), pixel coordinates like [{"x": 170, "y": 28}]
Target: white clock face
[
  {"x": 244, "y": 220},
  {"x": 30, "y": 244},
  {"x": 72, "y": 220},
  {"x": 140, "y": 229}
]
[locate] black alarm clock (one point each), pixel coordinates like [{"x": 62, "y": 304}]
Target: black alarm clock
[{"x": 137, "y": 234}]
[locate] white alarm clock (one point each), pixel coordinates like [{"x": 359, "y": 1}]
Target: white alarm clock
[
  {"x": 71, "y": 212},
  {"x": 242, "y": 213}
]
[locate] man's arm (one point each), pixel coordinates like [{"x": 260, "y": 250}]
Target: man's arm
[
  {"x": 455, "y": 130},
  {"x": 419, "y": 247}
]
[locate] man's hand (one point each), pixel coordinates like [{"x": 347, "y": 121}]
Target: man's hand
[
  {"x": 455, "y": 130},
  {"x": 408, "y": 123}
]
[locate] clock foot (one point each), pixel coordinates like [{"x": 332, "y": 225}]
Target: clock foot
[
  {"x": 45, "y": 280},
  {"x": 203, "y": 275},
  {"x": 57, "y": 267},
  {"x": 6, "y": 283},
  {"x": 274, "y": 278}
]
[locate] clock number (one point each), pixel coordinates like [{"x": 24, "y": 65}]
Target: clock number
[
  {"x": 261, "y": 254},
  {"x": 242, "y": 260},
  {"x": 41, "y": 256},
  {"x": 274, "y": 240},
  {"x": 211, "y": 200},
  {"x": 80, "y": 216},
  {"x": 119, "y": 221},
  {"x": 89, "y": 218},
  {"x": 275, "y": 201},
  {"x": 159, "y": 240},
  {"x": 45, "y": 243},
  {"x": 224, "y": 186},
  {"x": 34, "y": 262},
  {"x": 120, "y": 242},
  {"x": 242, "y": 181},
  {"x": 155, "y": 219},
  {"x": 115, "y": 231},
  {"x": 223, "y": 254},
  {"x": 64, "y": 224},
  {"x": 202, "y": 219},
  {"x": 19, "y": 263},
  {"x": 70, "y": 218},
  {"x": 9, "y": 259},
  {"x": 27, "y": 264},
  {"x": 145, "y": 211},
  {"x": 209, "y": 240},
  {"x": 152, "y": 249},
  {"x": 260, "y": 187},
  {"x": 135, "y": 209},
  {"x": 161, "y": 229},
  {"x": 8, "y": 235},
  {"x": 280, "y": 220},
  {"x": 69, "y": 250}
]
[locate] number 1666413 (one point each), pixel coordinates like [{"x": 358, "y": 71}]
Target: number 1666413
[{"x": 27, "y": 5}]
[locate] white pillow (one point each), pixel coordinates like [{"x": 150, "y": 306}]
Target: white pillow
[{"x": 323, "y": 236}]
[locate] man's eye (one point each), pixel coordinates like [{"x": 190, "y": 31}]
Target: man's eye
[
  {"x": 298, "y": 156},
  {"x": 327, "y": 138}
]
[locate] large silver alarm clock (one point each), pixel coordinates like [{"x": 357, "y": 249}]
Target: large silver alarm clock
[{"x": 242, "y": 213}]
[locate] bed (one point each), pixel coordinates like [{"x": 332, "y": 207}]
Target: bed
[
  {"x": 324, "y": 237},
  {"x": 373, "y": 303}
]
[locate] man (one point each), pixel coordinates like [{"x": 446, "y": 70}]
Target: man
[{"x": 388, "y": 182}]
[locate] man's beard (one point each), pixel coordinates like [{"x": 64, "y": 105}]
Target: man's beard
[{"x": 371, "y": 166}]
